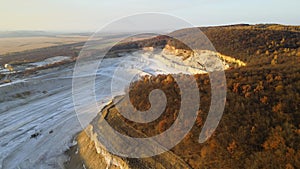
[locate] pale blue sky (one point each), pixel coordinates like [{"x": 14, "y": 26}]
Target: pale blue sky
[{"x": 89, "y": 15}]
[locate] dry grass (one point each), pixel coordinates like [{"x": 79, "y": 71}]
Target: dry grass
[{"x": 9, "y": 45}]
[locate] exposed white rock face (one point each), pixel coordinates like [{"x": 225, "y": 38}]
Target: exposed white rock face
[
  {"x": 203, "y": 58},
  {"x": 110, "y": 159}
]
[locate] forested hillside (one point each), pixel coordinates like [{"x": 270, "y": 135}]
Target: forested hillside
[{"x": 260, "y": 127}]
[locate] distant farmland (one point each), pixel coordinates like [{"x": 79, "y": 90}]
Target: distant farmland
[{"x": 19, "y": 44}]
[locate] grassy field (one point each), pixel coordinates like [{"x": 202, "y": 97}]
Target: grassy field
[
  {"x": 16, "y": 50},
  {"x": 19, "y": 44}
]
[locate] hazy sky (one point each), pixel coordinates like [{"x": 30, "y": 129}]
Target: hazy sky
[{"x": 89, "y": 15}]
